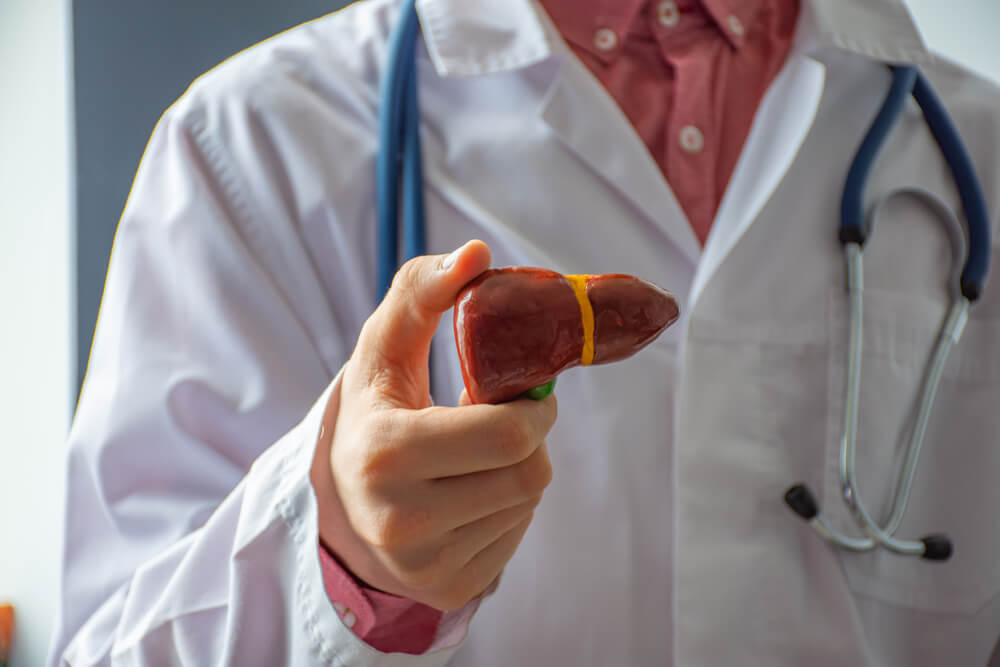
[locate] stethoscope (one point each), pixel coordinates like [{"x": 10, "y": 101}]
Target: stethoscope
[
  {"x": 399, "y": 173},
  {"x": 972, "y": 254}
]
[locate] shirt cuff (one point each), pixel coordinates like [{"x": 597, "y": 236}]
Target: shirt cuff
[{"x": 386, "y": 622}]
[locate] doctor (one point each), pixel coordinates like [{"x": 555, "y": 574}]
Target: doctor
[{"x": 256, "y": 475}]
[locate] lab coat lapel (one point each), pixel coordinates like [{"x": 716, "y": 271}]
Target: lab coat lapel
[
  {"x": 588, "y": 121},
  {"x": 609, "y": 146},
  {"x": 476, "y": 37},
  {"x": 780, "y": 127}
]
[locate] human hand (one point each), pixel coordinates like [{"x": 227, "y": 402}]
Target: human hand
[{"x": 422, "y": 501}]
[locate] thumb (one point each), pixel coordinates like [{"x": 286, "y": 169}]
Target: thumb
[{"x": 394, "y": 344}]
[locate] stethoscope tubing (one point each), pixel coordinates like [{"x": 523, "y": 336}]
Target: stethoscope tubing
[
  {"x": 398, "y": 163},
  {"x": 972, "y": 253},
  {"x": 951, "y": 332},
  {"x": 908, "y": 82},
  {"x": 399, "y": 173}
]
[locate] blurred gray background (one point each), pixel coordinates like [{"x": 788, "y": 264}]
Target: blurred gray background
[
  {"x": 131, "y": 61},
  {"x": 83, "y": 83}
]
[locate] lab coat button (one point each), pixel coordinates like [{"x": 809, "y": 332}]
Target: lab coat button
[
  {"x": 735, "y": 24},
  {"x": 605, "y": 39},
  {"x": 668, "y": 14},
  {"x": 691, "y": 138}
]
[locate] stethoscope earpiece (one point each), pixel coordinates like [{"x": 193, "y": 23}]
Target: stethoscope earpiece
[
  {"x": 802, "y": 501},
  {"x": 937, "y": 547}
]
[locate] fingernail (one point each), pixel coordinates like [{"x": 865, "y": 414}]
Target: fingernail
[{"x": 450, "y": 260}]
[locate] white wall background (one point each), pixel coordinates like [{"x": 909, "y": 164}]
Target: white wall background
[
  {"x": 36, "y": 269},
  {"x": 35, "y": 309},
  {"x": 963, "y": 30}
]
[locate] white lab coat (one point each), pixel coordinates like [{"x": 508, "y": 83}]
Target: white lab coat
[{"x": 243, "y": 270}]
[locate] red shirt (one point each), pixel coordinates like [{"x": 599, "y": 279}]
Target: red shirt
[{"x": 689, "y": 75}]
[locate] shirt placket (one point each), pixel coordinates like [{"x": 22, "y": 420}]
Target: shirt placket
[{"x": 690, "y": 138}]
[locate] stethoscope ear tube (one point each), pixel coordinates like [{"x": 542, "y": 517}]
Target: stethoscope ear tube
[
  {"x": 969, "y": 188},
  {"x": 414, "y": 243},
  {"x": 853, "y": 223},
  {"x": 398, "y": 153}
]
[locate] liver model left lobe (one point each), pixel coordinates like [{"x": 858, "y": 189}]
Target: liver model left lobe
[{"x": 517, "y": 328}]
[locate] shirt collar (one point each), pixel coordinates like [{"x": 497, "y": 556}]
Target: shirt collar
[
  {"x": 733, "y": 18},
  {"x": 581, "y": 21},
  {"x": 475, "y": 37}
]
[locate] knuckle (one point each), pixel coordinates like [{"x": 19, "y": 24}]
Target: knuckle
[
  {"x": 380, "y": 457},
  {"x": 378, "y": 380},
  {"x": 383, "y": 529},
  {"x": 535, "y": 474},
  {"x": 551, "y": 411},
  {"x": 448, "y": 557},
  {"x": 545, "y": 471},
  {"x": 369, "y": 328},
  {"x": 419, "y": 579},
  {"x": 372, "y": 527},
  {"x": 395, "y": 528},
  {"x": 544, "y": 415},
  {"x": 515, "y": 438},
  {"x": 410, "y": 270},
  {"x": 473, "y": 584},
  {"x": 514, "y": 451},
  {"x": 409, "y": 276},
  {"x": 428, "y": 573},
  {"x": 375, "y": 469},
  {"x": 452, "y": 598}
]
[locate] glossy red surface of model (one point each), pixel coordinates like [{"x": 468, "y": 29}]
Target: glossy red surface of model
[{"x": 517, "y": 327}]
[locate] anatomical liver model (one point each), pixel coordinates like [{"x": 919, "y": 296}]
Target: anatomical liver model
[{"x": 517, "y": 328}]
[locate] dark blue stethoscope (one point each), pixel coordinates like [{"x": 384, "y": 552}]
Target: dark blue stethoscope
[{"x": 399, "y": 174}]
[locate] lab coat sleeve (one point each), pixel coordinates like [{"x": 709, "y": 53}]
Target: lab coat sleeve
[{"x": 190, "y": 530}]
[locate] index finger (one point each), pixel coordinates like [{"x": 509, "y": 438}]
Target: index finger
[{"x": 449, "y": 441}]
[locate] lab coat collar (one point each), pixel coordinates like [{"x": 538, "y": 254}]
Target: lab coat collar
[{"x": 477, "y": 37}]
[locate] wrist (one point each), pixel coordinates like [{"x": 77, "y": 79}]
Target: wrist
[{"x": 336, "y": 534}]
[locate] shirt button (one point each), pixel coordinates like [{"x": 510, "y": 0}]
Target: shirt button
[
  {"x": 345, "y": 614},
  {"x": 605, "y": 39},
  {"x": 735, "y": 24},
  {"x": 668, "y": 14},
  {"x": 691, "y": 138}
]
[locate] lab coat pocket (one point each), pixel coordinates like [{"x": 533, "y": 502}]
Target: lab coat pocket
[{"x": 955, "y": 489}]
